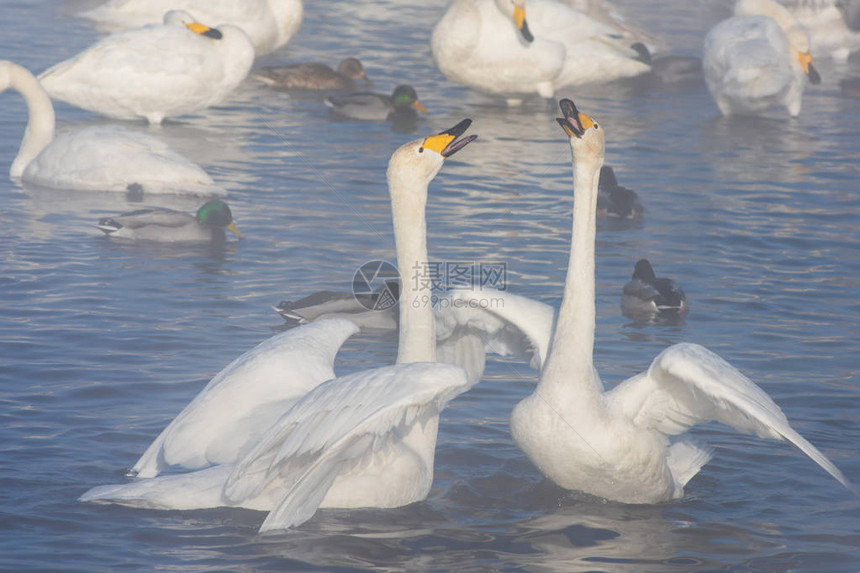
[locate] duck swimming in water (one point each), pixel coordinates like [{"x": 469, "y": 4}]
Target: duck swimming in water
[
  {"x": 377, "y": 107},
  {"x": 169, "y": 226},
  {"x": 313, "y": 76},
  {"x": 647, "y": 296}
]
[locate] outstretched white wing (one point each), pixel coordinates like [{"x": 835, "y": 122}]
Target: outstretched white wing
[
  {"x": 336, "y": 429},
  {"x": 688, "y": 384},
  {"x": 243, "y": 400},
  {"x": 471, "y": 323}
]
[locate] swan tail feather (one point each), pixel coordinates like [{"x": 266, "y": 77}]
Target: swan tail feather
[{"x": 686, "y": 458}]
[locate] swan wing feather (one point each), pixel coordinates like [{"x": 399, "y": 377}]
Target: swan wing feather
[
  {"x": 246, "y": 397},
  {"x": 687, "y": 384},
  {"x": 505, "y": 324},
  {"x": 335, "y": 427}
]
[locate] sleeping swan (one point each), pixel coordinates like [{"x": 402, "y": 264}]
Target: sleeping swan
[
  {"x": 153, "y": 72},
  {"x": 758, "y": 59}
]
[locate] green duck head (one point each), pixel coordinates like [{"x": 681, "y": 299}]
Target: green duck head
[{"x": 216, "y": 213}]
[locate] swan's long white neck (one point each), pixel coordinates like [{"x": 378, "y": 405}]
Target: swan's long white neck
[
  {"x": 570, "y": 361},
  {"x": 417, "y": 330},
  {"x": 40, "y": 124}
]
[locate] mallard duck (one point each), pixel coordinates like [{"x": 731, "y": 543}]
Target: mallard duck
[
  {"x": 614, "y": 200},
  {"x": 153, "y": 72},
  {"x": 377, "y": 107},
  {"x": 314, "y": 76},
  {"x": 169, "y": 226},
  {"x": 647, "y": 296}
]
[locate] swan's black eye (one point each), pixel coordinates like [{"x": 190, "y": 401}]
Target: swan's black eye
[
  {"x": 420, "y": 150},
  {"x": 596, "y": 126}
]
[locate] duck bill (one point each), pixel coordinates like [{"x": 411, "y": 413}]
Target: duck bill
[
  {"x": 808, "y": 68},
  {"x": 574, "y": 123},
  {"x": 446, "y": 143},
  {"x": 204, "y": 30},
  {"x": 522, "y": 24},
  {"x": 419, "y": 106},
  {"x": 234, "y": 229}
]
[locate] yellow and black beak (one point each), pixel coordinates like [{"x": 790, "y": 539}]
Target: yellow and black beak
[
  {"x": 574, "y": 123},
  {"x": 446, "y": 143},
  {"x": 233, "y": 228},
  {"x": 809, "y": 68},
  {"x": 520, "y": 21},
  {"x": 204, "y": 30}
]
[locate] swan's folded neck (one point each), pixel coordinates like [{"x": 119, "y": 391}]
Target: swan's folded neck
[
  {"x": 40, "y": 124},
  {"x": 417, "y": 330},
  {"x": 570, "y": 362}
]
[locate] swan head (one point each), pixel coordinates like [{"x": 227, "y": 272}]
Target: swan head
[
  {"x": 516, "y": 10},
  {"x": 183, "y": 18},
  {"x": 421, "y": 159},
  {"x": 797, "y": 37},
  {"x": 586, "y": 136},
  {"x": 216, "y": 213}
]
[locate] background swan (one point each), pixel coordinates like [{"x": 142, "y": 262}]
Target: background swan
[
  {"x": 169, "y": 226},
  {"x": 269, "y": 24},
  {"x": 100, "y": 158},
  {"x": 153, "y": 72},
  {"x": 363, "y": 440},
  {"x": 758, "y": 59},
  {"x": 517, "y": 48},
  {"x": 833, "y": 25},
  {"x": 627, "y": 444}
]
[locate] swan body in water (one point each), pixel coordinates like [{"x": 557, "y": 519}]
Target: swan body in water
[
  {"x": 154, "y": 72},
  {"x": 98, "y": 158},
  {"x": 833, "y": 25},
  {"x": 170, "y": 226},
  {"x": 269, "y": 24},
  {"x": 363, "y": 440},
  {"x": 517, "y": 48},
  {"x": 758, "y": 59},
  {"x": 628, "y": 444}
]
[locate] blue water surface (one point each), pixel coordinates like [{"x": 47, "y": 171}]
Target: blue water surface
[{"x": 101, "y": 344}]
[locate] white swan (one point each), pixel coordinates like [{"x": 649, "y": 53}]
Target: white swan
[
  {"x": 153, "y": 72},
  {"x": 758, "y": 59},
  {"x": 268, "y": 23},
  {"x": 363, "y": 440},
  {"x": 833, "y": 25},
  {"x": 622, "y": 444},
  {"x": 490, "y": 46},
  {"x": 100, "y": 158}
]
